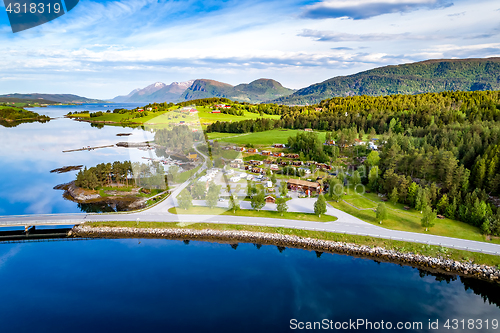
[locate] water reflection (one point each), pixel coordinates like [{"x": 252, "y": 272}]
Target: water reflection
[
  {"x": 161, "y": 285},
  {"x": 31, "y": 150}
]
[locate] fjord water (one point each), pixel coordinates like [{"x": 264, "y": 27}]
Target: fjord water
[
  {"x": 158, "y": 285},
  {"x": 29, "y": 151}
]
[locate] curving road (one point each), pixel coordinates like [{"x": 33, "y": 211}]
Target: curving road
[{"x": 346, "y": 223}]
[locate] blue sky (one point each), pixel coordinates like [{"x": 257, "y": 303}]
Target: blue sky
[{"x": 101, "y": 49}]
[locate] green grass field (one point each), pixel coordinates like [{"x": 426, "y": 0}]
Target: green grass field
[
  {"x": 172, "y": 116},
  {"x": 266, "y": 138},
  {"x": 202, "y": 210},
  {"x": 400, "y": 219},
  {"x": 428, "y": 250}
]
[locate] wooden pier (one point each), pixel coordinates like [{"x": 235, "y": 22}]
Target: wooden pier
[{"x": 87, "y": 148}]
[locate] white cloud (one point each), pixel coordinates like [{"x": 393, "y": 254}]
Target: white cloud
[{"x": 106, "y": 49}]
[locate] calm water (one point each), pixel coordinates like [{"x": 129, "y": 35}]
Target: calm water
[
  {"x": 29, "y": 151},
  {"x": 168, "y": 286}
]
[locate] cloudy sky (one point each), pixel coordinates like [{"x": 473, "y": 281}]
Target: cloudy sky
[{"x": 101, "y": 49}]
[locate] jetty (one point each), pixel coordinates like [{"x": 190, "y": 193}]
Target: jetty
[{"x": 88, "y": 148}]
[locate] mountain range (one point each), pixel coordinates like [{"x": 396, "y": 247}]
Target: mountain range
[
  {"x": 57, "y": 98},
  {"x": 254, "y": 92},
  {"x": 414, "y": 78},
  {"x": 157, "y": 92}
]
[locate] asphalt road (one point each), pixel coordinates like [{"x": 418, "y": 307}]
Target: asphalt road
[{"x": 346, "y": 223}]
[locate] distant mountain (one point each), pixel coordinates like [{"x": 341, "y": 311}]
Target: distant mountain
[
  {"x": 204, "y": 88},
  {"x": 59, "y": 98},
  {"x": 12, "y": 100},
  {"x": 123, "y": 99},
  {"x": 254, "y": 92},
  {"x": 157, "y": 92},
  {"x": 420, "y": 77}
]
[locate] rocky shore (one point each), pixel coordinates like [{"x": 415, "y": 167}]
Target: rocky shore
[
  {"x": 440, "y": 265},
  {"x": 118, "y": 200}
]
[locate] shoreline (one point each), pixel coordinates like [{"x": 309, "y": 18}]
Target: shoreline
[{"x": 433, "y": 264}]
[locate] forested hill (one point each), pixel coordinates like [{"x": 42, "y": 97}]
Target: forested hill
[
  {"x": 59, "y": 98},
  {"x": 254, "y": 92},
  {"x": 420, "y": 77}
]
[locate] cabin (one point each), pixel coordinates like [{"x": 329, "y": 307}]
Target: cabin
[
  {"x": 239, "y": 148},
  {"x": 257, "y": 170},
  {"x": 255, "y": 162},
  {"x": 266, "y": 153},
  {"x": 253, "y": 150},
  {"x": 215, "y": 111},
  {"x": 308, "y": 129},
  {"x": 303, "y": 185},
  {"x": 274, "y": 167},
  {"x": 330, "y": 143},
  {"x": 192, "y": 156},
  {"x": 359, "y": 142},
  {"x": 292, "y": 155},
  {"x": 270, "y": 199},
  {"x": 279, "y": 154},
  {"x": 279, "y": 145}
]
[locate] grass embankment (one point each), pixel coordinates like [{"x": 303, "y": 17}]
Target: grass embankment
[
  {"x": 171, "y": 116},
  {"x": 202, "y": 210},
  {"x": 428, "y": 250},
  {"x": 363, "y": 206},
  {"x": 266, "y": 138},
  {"x": 183, "y": 176}
]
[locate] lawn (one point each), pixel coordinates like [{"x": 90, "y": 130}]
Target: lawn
[
  {"x": 266, "y": 138},
  {"x": 183, "y": 176},
  {"x": 162, "y": 118},
  {"x": 428, "y": 250},
  {"x": 202, "y": 210},
  {"x": 404, "y": 220}
]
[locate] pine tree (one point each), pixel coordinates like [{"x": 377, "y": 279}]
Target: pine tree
[
  {"x": 281, "y": 205},
  {"x": 320, "y": 205},
  {"x": 428, "y": 218},
  {"x": 451, "y": 209},
  {"x": 335, "y": 189},
  {"x": 381, "y": 213},
  {"x": 213, "y": 195},
  {"x": 356, "y": 178},
  {"x": 394, "y": 196},
  {"x": 373, "y": 178},
  {"x": 442, "y": 204},
  {"x": 258, "y": 200}
]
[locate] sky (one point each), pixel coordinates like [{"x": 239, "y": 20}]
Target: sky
[{"x": 102, "y": 49}]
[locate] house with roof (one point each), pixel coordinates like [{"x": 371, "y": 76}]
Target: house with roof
[{"x": 303, "y": 185}]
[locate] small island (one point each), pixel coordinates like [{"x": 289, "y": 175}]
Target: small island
[
  {"x": 117, "y": 186},
  {"x": 11, "y": 116}
]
